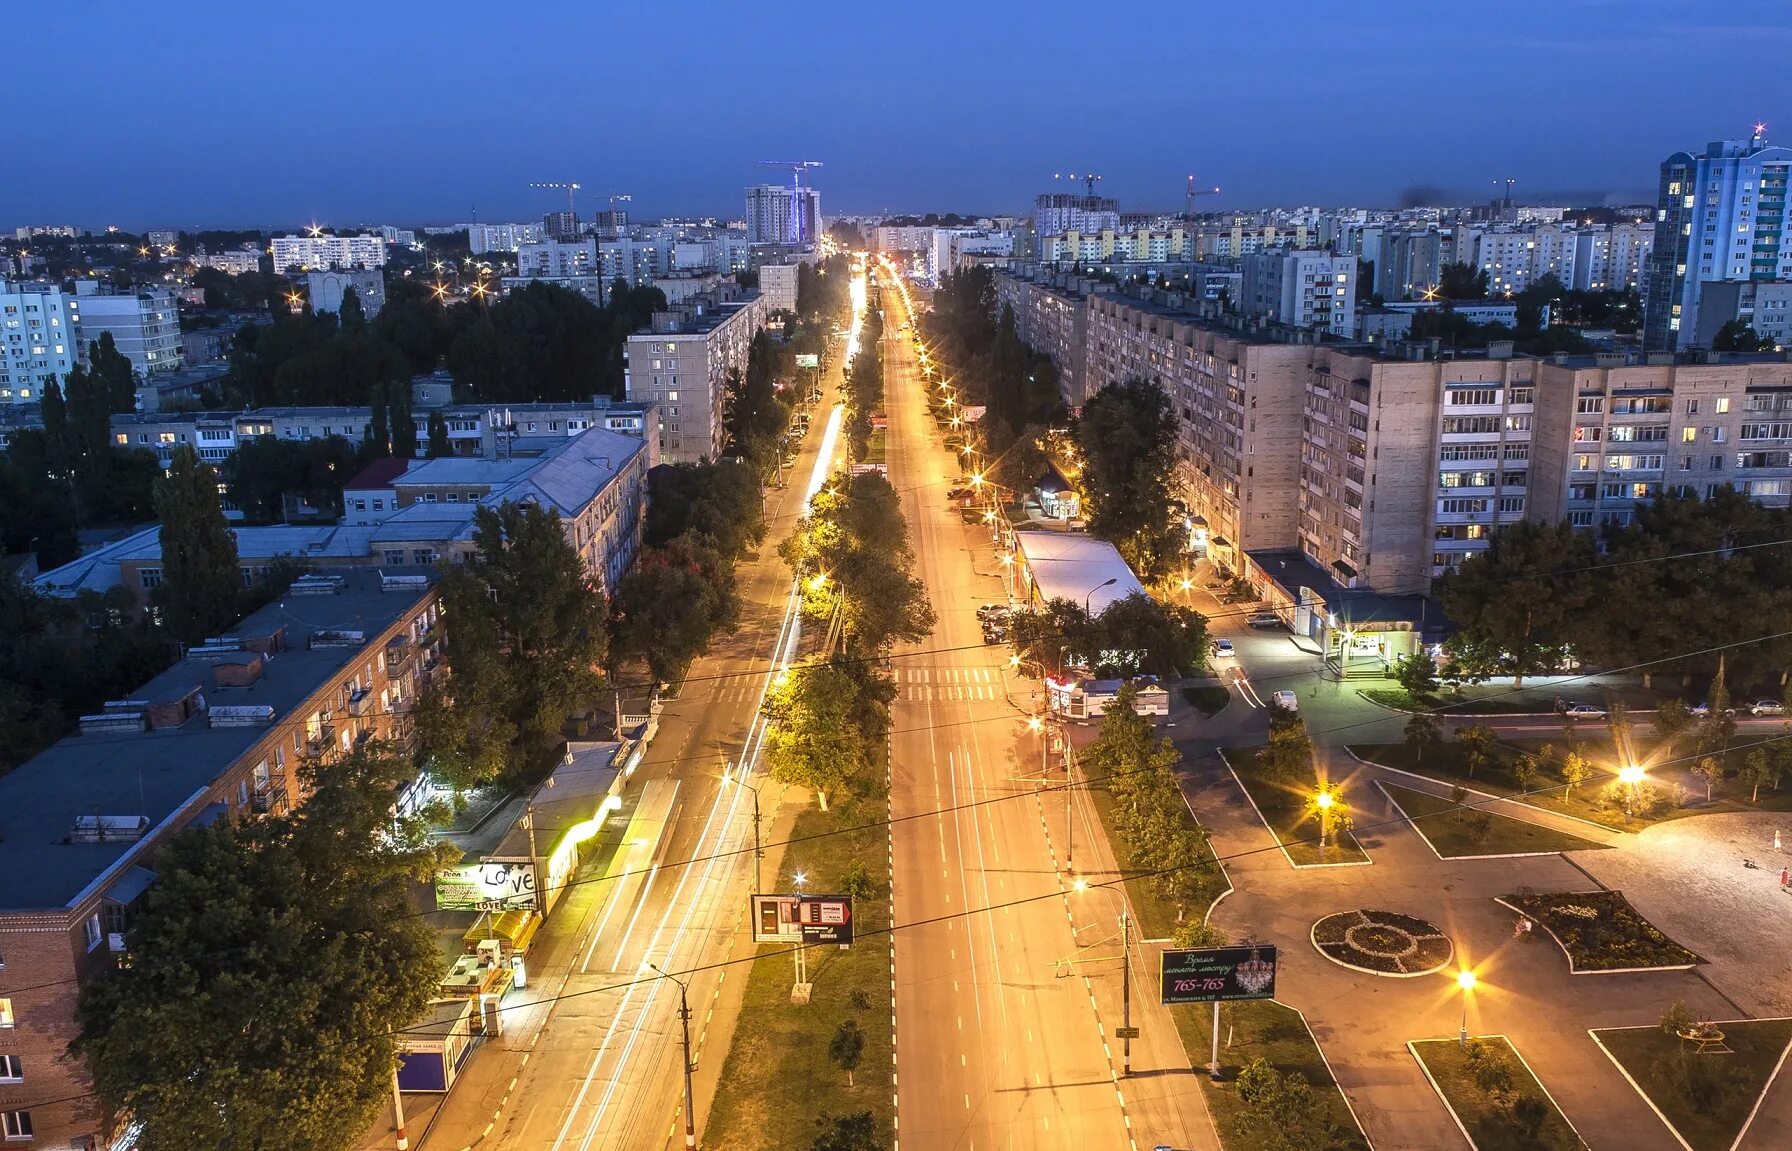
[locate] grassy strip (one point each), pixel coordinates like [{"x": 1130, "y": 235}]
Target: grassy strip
[
  {"x": 1445, "y": 762},
  {"x": 778, "y": 1077},
  {"x": 1706, "y": 1098},
  {"x": 1400, "y": 699},
  {"x": 1286, "y": 812},
  {"x": 1600, "y": 931},
  {"x": 1157, "y": 915},
  {"x": 1457, "y": 832},
  {"x": 1261, "y": 1029},
  {"x": 1503, "y": 1122}
]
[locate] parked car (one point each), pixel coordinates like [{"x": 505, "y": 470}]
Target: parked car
[
  {"x": 1703, "y": 711},
  {"x": 991, "y": 611},
  {"x": 1584, "y": 711},
  {"x": 1222, "y": 649},
  {"x": 957, "y": 494},
  {"x": 1286, "y": 700},
  {"x": 1264, "y": 619},
  {"x": 1767, "y": 707}
]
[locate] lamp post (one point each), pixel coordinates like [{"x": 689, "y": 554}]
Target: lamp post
[
  {"x": 1110, "y": 581},
  {"x": 1126, "y": 1029},
  {"x": 1466, "y": 981},
  {"x": 758, "y": 855},
  {"x": 1630, "y": 775},
  {"x": 684, "y": 1017},
  {"x": 1323, "y": 801}
]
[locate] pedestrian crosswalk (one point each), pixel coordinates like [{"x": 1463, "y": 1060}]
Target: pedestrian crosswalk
[{"x": 915, "y": 684}]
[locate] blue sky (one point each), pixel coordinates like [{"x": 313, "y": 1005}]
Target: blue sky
[{"x": 266, "y": 113}]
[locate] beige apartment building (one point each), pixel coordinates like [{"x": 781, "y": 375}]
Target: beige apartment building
[
  {"x": 220, "y": 735},
  {"x": 682, "y": 362}
]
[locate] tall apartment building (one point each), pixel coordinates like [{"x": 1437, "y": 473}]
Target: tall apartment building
[
  {"x": 778, "y": 214},
  {"x": 231, "y": 261},
  {"x": 144, "y": 322},
  {"x": 902, "y": 237},
  {"x": 561, "y": 225},
  {"x": 1051, "y": 316},
  {"x": 1764, "y": 305},
  {"x": 1305, "y": 289},
  {"x": 222, "y": 734},
  {"x": 1612, "y": 258},
  {"x": 1721, "y": 215},
  {"x": 777, "y": 283},
  {"x": 325, "y": 289},
  {"x": 1109, "y": 246},
  {"x": 40, "y": 339},
  {"x": 1407, "y": 263},
  {"x": 952, "y": 247},
  {"x": 557, "y": 258},
  {"x": 1055, "y": 213},
  {"x": 681, "y": 364},
  {"x": 483, "y": 238},
  {"x": 307, "y": 252},
  {"x": 1611, "y": 434}
]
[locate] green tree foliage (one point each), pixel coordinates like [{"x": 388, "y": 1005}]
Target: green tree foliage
[
  {"x": 527, "y": 640},
  {"x": 855, "y": 1132},
  {"x": 37, "y": 509},
  {"x": 112, "y": 374},
  {"x": 1478, "y": 742},
  {"x": 1760, "y": 768},
  {"x": 1127, "y": 435},
  {"x": 1739, "y": 336},
  {"x": 823, "y": 292},
  {"x": 1284, "y": 1113},
  {"x": 720, "y": 500},
  {"x": 813, "y": 739},
  {"x": 675, "y": 601},
  {"x": 1462, "y": 282},
  {"x": 415, "y": 322},
  {"x": 311, "y": 359},
  {"x": 758, "y": 412},
  {"x": 1672, "y": 720},
  {"x": 400, "y": 420},
  {"x": 846, "y": 1047},
  {"x": 1520, "y": 603},
  {"x": 1576, "y": 770},
  {"x": 543, "y": 342},
  {"x": 264, "y": 471},
  {"x": 438, "y": 436},
  {"x": 1422, "y": 735},
  {"x": 200, "y": 581},
  {"x": 852, "y": 553},
  {"x": 1417, "y": 674},
  {"x": 271, "y": 967},
  {"x": 1710, "y": 769}
]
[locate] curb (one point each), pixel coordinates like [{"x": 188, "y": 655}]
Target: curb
[
  {"x": 1411, "y": 1046},
  {"x": 1339, "y": 1087},
  {"x": 1313, "y": 938},
  {"x": 1603, "y": 970},
  {"x": 1363, "y": 862},
  {"x": 1414, "y": 824},
  {"x": 1445, "y": 1099},
  {"x": 1486, "y": 794}
]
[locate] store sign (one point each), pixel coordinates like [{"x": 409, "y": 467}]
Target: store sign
[
  {"x": 1218, "y": 974},
  {"x": 486, "y": 887}
]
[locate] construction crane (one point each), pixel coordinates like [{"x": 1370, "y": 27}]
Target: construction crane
[
  {"x": 797, "y": 168},
  {"x": 620, "y": 198},
  {"x": 570, "y": 189},
  {"x": 1089, "y": 179},
  {"x": 1188, "y": 197}
]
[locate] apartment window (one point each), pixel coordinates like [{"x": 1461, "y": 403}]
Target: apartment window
[
  {"x": 1461, "y": 506},
  {"x": 1511, "y": 503},
  {"x": 1522, "y": 396},
  {"x": 1589, "y": 435},
  {"x": 429, "y": 497},
  {"x": 1518, "y": 423},
  {"x": 1692, "y": 407},
  {"x": 1719, "y": 433},
  {"x": 1688, "y": 434},
  {"x": 1717, "y": 463},
  {"x": 1581, "y": 491},
  {"x": 1590, "y": 405},
  {"x": 672, "y": 396},
  {"x": 1723, "y": 405},
  {"x": 392, "y": 558},
  {"x": 12, "y": 1070},
  {"x": 1760, "y": 488},
  {"x": 1773, "y": 431},
  {"x": 6, "y": 1013},
  {"x": 1686, "y": 463},
  {"x": 1471, "y": 396},
  {"x": 15, "y": 1124},
  {"x": 1580, "y": 519},
  {"x": 149, "y": 578},
  {"x": 1518, "y": 451}
]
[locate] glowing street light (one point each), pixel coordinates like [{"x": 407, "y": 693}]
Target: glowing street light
[
  {"x": 1465, "y": 979},
  {"x": 1631, "y": 776}
]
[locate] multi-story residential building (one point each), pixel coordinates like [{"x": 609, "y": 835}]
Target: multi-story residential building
[
  {"x": 1612, "y": 433},
  {"x": 777, "y": 283},
  {"x": 220, "y": 735},
  {"x": 55, "y": 231},
  {"x": 325, "y": 289},
  {"x": 483, "y": 238},
  {"x": 324, "y": 251},
  {"x": 1407, "y": 263},
  {"x": 1304, "y": 289},
  {"x": 557, "y": 258},
  {"x": 232, "y": 261},
  {"x": 40, "y": 339},
  {"x": 396, "y": 235},
  {"x": 1051, "y": 316},
  {"x": 1109, "y": 246},
  {"x": 1055, "y": 213},
  {"x": 1721, "y": 215},
  {"x": 902, "y": 237},
  {"x": 561, "y": 225},
  {"x": 144, "y": 322},
  {"x": 681, "y": 364},
  {"x": 1612, "y": 258},
  {"x": 952, "y": 248},
  {"x": 1764, "y": 305},
  {"x": 777, "y": 214}
]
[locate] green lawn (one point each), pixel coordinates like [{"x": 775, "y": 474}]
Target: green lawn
[
  {"x": 778, "y": 1077},
  {"x": 1445, "y": 762},
  {"x": 1706, "y": 1098},
  {"x": 1457, "y": 832},
  {"x": 1496, "y": 1122},
  {"x": 1265, "y": 1029},
  {"x": 1157, "y": 915},
  {"x": 1286, "y": 812}
]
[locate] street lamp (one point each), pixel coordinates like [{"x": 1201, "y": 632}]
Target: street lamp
[
  {"x": 1465, "y": 980},
  {"x": 1126, "y": 1029},
  {"x": 684, "y": 1017},
  {"x": 1111, "y": 580},
  {"x": 1631, "y": 776},
  {"x": 758, "y": 854},
  {"x": 1323, "y": 801}
]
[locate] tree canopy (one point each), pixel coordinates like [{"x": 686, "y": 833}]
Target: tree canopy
[
  {"x": 852, "y": 554},
  {"x": 198, "y": 596},
  {"x": 1127, "y": 436}
]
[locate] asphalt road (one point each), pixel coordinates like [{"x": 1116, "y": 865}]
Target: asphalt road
[{"x": 1007, "y": 985}]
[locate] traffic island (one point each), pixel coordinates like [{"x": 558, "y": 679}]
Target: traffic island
[
  {"x": 1601, "y": 933},
  {"x": 1494, "y": 1096},
  {"x": 1708, "y": 1085},
  {"x": 1382, "y": 943},
  {"x": 1290, "y": 815},
  {"x": 1276, "y": 1036},
  {"x": 1470, "y": 831}
]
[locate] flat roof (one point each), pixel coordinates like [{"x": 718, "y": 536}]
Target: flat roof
[
  {"x": 566, "y": 799},
  {"x": 1068, "y": 565},
  {"x": 155, "y": 774},
  {"x": 1293, "y": 570}
]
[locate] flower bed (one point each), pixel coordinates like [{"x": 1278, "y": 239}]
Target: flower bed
[
  {"x": 1382, "y": 942},
  {"x": 1600, "y": 931}
]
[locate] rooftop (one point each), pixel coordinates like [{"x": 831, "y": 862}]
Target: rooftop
[
  {"x": 1067, "y": 565},
  {"x": 1293, "y": 571},
  {"x": 378, "y": 474},
  {"x": 164, "y": 774}
]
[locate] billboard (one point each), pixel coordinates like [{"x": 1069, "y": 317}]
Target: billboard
[
  {"x": 808, "y": 360},
  {"x": 1218, "y": 974},
  {"x": 486, "y": 887},
  {"x": 802, "y": 919}
]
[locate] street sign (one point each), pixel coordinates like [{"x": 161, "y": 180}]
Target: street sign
[
  {"x": 1218, "y": 974},
  {"x": 1126, "y": 1033},
  {"x": 802, "y": 919}
]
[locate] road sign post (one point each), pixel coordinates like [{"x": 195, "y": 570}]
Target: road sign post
[{"x": 1217, "y": 975}]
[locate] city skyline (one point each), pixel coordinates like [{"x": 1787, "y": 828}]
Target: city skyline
[{"x": 931, "y": 116}]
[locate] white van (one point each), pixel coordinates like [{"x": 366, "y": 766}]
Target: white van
[{"x": 1285, "y": 700}]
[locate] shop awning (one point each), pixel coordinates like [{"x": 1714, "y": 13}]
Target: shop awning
[{"x": 516, "y": 928}]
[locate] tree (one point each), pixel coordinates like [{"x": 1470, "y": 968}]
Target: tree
[
  {"x": 1710, "y": 769},
  {"x": 1477, "y": 742},
  {"x": 271, "y": 967},
  {"x": 855, "y": 1132},
  {"x": 417, "y": 324},
  {"x": 1422, "y": 735},
  {"x": 720, "y": 500},
  {"x": 672, "y": 604},
  {"x": 264, "y": 473},
  {"x": 1492, "y": 1069},
  {"x": 351, "y": 317},
  {"x": 1739, "y": 336},
  {"x": 1576, "y": 770},
  {"x": 814, "y": 740},
  {"x": 400, "y": 420},
  {"x": 852, "y": 555},
  {"x": 542, "y": 342},
  {"x": 845, "y": 1048},
  {"x": 112, "y": 374},
  {"x": 1719, "y": 727},
  {"x": 200, "y": 582},
  {"x": 1417, "y": 674},
  {"x": 1462, "y": 282},
  {"x": 1758, "y": 768},
  {"x": 1521, "y": 602},
  {"x": 527, "y": 641},
  {"x": 438, "y": 436},
  {"x": 1672, "y": 720},
  {"x": 1127, "y": 435}
]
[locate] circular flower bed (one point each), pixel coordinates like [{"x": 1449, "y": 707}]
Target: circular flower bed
[{"x": 1382, "y": 942}]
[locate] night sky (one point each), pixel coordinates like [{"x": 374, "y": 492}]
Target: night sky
[{"x": 265, "y": 113}]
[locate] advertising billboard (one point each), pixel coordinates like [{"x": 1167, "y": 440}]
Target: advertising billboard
[
  {"x": 1218, "y": 974},
  {"x": 802, "y": 919},
  {"x": 486, "y": 887}
]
